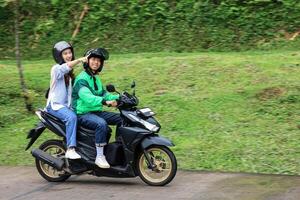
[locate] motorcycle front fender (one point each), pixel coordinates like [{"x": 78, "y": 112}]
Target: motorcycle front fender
[
  {"x": 35, "y": 133},
  {"x": 156, "y": 140}
]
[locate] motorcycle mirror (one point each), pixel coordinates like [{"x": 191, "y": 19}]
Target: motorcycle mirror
[
  {"x": 110, "y": 88},
  {"x": 133, "y": 84},
  {"x": 133, "y": 87}
]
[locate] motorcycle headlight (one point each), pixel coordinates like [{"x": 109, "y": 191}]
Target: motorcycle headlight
[
  {"x": 146, "y": 112},
  {"x": 149, "y": 126}
]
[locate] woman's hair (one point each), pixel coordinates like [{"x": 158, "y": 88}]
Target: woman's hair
[{"x": 68, "y": 76}]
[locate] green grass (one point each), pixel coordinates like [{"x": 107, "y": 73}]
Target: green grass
[{"x": 224, "y": 111}]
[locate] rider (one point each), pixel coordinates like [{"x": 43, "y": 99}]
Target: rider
[
  {"x": 59, "y": 96},
  {"x": 87, "y": 100}
]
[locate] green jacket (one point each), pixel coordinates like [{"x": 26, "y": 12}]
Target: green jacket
[{"x": 84, "y": 96}]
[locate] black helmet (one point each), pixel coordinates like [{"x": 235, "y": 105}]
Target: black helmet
[
  {"x": 98, "y": 53},
  {"x": 57, "y": 50}
]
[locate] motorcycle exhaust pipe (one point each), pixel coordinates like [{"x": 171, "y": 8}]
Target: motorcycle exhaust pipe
[{"x": 47, "y": 158}]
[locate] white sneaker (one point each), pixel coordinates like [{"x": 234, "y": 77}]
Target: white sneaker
[
  {"x": 101, "y": 162},
  {"x": 72, "y": 154}
]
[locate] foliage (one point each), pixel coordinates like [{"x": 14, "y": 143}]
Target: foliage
[
  {"x": 223, "y": 111},
  {"x": 151, "y": 26}
]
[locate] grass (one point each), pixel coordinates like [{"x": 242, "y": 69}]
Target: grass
[{"x": 224, "y": 111}]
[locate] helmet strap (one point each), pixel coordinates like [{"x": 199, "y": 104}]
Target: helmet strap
[{"x": 90, "y": 72}]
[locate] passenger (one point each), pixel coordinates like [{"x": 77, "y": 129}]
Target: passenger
[{"x": 59, "y": 96}]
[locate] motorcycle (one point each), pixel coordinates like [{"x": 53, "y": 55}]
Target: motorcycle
[{"x": 138, "y": 150}]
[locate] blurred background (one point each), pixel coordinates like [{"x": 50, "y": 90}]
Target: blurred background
[
  {"x": 150, "y": 26},
  {"x": 222, "y": 75}
]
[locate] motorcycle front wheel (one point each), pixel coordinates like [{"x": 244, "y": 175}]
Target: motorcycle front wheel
[
  {"x": 56, "y": 149},
  {"x": 165, "y": 166}
]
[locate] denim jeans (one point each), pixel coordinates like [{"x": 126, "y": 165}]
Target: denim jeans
[
  {"x": 70, "y": 119},
  {"x": 99, "y": 122}
]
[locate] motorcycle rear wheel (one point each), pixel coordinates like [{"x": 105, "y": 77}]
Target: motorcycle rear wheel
[
  {"x": 166, "y": 166},
  {"x": 56, "y": 149}
]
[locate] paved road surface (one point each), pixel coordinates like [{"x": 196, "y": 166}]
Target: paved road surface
[{"x": 24, "y": 183}]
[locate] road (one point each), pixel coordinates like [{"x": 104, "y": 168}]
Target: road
[{"x": 24, "y": 183}]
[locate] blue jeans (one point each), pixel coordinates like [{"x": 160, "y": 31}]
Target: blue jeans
[
  {"x": 99, "y": 122},
  {"x": 70, "y": 119}
]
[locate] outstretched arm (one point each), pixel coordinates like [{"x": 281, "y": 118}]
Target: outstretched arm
[
  {"x": 73, "y": 63},
  {"x": 58, "y": 71}
]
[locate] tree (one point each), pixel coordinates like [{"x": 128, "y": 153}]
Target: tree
[{"x": 25, "y": 93}]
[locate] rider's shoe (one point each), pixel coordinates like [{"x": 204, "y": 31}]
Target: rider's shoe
[
  {"x": 101, "y": 162},
  {"x": 72, "y": 154}
]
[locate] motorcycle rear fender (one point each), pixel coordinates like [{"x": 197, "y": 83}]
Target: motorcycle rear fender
[
  {"x": 53, "y": 124},
  {"x": 156, "y": 140},
  {"x": 35, "y": 133}
]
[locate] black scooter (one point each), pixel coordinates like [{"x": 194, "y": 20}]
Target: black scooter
[{"x": 138, "y": 150}]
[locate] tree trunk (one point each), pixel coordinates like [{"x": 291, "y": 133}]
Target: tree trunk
[
  {"x": 84, "y": 11},
  {"x": 25, "y": 93}
]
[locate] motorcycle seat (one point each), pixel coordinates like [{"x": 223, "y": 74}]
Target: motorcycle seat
[
  {"x": 52, "y": 117},
  {"x": 58, "y": 121}
]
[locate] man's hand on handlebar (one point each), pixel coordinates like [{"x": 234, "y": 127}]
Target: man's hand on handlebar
[{"x": 111, "y": 103}]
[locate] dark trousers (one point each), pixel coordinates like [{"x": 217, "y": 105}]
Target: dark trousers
[{"x": 99, "y": 121}]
